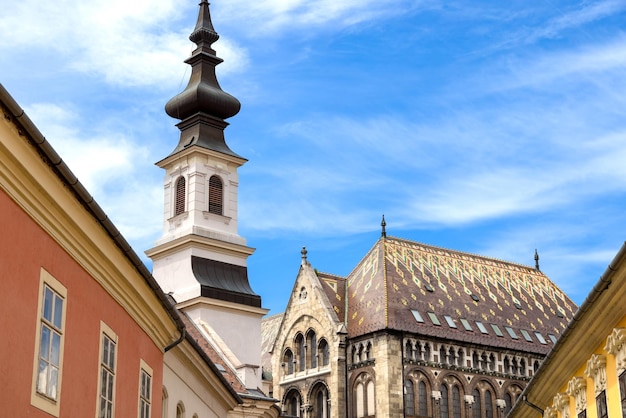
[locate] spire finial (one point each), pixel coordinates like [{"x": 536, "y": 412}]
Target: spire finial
[
  {"x": 304, "y": 253},
  {"x": 383, "y": 224},
  {"x": 537, "y": 260},
  {"x": 203, "y": 106}
]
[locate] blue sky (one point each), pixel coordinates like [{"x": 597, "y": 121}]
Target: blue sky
[{"x": 487, "y": 127}]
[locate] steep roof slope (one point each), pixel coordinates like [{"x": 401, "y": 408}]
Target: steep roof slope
[{"x": 408, "y": 286}]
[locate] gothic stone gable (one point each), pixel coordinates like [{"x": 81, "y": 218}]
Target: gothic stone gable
[{"x": 308, "y": 355}]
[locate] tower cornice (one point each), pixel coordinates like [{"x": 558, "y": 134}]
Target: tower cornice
[
  {"x": 201, "y": 242},
  {"x": 194, "y": 149}
]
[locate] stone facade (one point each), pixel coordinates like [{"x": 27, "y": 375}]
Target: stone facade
[{"x": 413, "y": 331}]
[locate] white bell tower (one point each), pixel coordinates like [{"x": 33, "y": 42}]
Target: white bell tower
[{"x": 200, "y": 259}]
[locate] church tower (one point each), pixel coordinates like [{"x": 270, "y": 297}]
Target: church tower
[{"x": 201, "y": 259}]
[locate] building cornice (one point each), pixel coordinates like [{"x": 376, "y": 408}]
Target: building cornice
[{"x": 36, "y": 178}]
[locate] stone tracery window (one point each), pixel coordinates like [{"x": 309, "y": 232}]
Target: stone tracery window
[
  {"x": 292, "y": 403},
  {"x": 288, "y": 361},
  {"x": 324, "y": 352},
  {"x": 311, "y": 343},
  {"x": 320, "y": 401},
  {"x": 301, "y": 350},
  {"x": 450, "y": 402},
  {"x": 364, "y": 397}
]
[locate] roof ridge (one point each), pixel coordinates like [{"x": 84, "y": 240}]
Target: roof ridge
[
  {"x": 270, "y": 317},
  {"x": 329, "y": 274},
  {"x": 479, "y": 256}
]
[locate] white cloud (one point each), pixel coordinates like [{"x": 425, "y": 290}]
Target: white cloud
[
  {"x": 587, "y": 13},
  {"x": 279, "y": 15},
  {"x": 136, "y": 43},
  {"x": 110, "y": 165}
]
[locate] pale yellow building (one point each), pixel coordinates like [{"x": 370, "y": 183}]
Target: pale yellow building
[{"x": 584, "y": 375}]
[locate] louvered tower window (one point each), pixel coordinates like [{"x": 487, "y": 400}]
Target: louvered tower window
[
  {"x": 216, "y": 196},
  {"x": 179, "y": 203}
]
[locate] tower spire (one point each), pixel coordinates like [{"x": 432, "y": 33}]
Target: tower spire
[
  {"x": 203, "y": 106},
  {"x": 537, "y": 260},
  {"x": 383, "y": 224}
]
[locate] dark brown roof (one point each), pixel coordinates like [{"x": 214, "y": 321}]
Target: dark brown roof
[
  {"x": 335, "y": 289},
  {"x": 408, "y": 286}
]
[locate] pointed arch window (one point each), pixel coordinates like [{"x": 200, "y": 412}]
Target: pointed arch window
[
  {"x": 292, "y": 403},
  {"x": 456, "y": 402},
  {"x": 477, "y": 404},
  {"x": 288, "y": 361},
  {"x": 508, "y": 403},
  {"x": 364, "y": 398},
  {"x": 216, "y": 195},
  {"x": 301, "y": 347},
  {"x": 445, "y": 411},
  {"x": 422, "y": 399},
  {"x": 488, "y": 405},
  {"x": 409, "y": 398},
  {"x": 323, "y": 352},
  {"x": 179, "y": 199},
  {"x": 320, "y": 396},
  {"x": 311, "y": 342}
]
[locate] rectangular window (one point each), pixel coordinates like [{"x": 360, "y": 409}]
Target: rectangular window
[
  {"x": 450, "y": 321},
  {"x": 106, "y": 385},
  {"x": 601, "y": 405},
  {"x": 496, "y": 329},
  {"x": 622, "y": 390},
  {"x": 47, "y": 366},
  {"x": 466, "y": 324},
  {"x": 511, "y": 332},
  {"x": 417, "y": 316},
  {"x": 540, "y": 337},
  {"x": 552, "y": 338},
  {"x": 481, "y": 327},
  {"x": 526, "y": 335},
  {"x": 145, "y": 391},
  {"x": 434, "y": 318}
]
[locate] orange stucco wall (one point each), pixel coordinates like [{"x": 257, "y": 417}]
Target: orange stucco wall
[{"x": 24, "y": 249}]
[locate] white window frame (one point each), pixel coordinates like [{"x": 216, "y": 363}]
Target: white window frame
[
  {"x": 144, "y": 409},
  {"x": 51, "y": 405},
  {"x": 106, "y": 333}
]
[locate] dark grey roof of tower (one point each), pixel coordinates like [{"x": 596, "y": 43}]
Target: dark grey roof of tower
[
  {"x": 224, "y": 281},
  {"x": 203, "y": 106}
]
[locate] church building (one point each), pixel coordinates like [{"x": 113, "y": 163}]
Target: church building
[{"x": 413, "y": 331}]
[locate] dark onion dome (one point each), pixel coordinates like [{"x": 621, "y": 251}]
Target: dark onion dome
[
  {"x": 203, "y": 105},
  {"x": 203, "y": 94}
]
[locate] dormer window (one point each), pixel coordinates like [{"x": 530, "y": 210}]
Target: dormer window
[
  {"x": 179, "y": 200},
  {"x": 216, "y": 195}
]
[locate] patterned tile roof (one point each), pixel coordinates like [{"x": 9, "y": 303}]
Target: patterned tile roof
[
  {"x": 335, "y": 289},
  {"x": 413, "y": 287},
  {"x": 269, "y": 329}
]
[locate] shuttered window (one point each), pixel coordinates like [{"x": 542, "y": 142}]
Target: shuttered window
[
  {"x": 216, "y": 196},
  {"x": 179, "y": 204}
]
